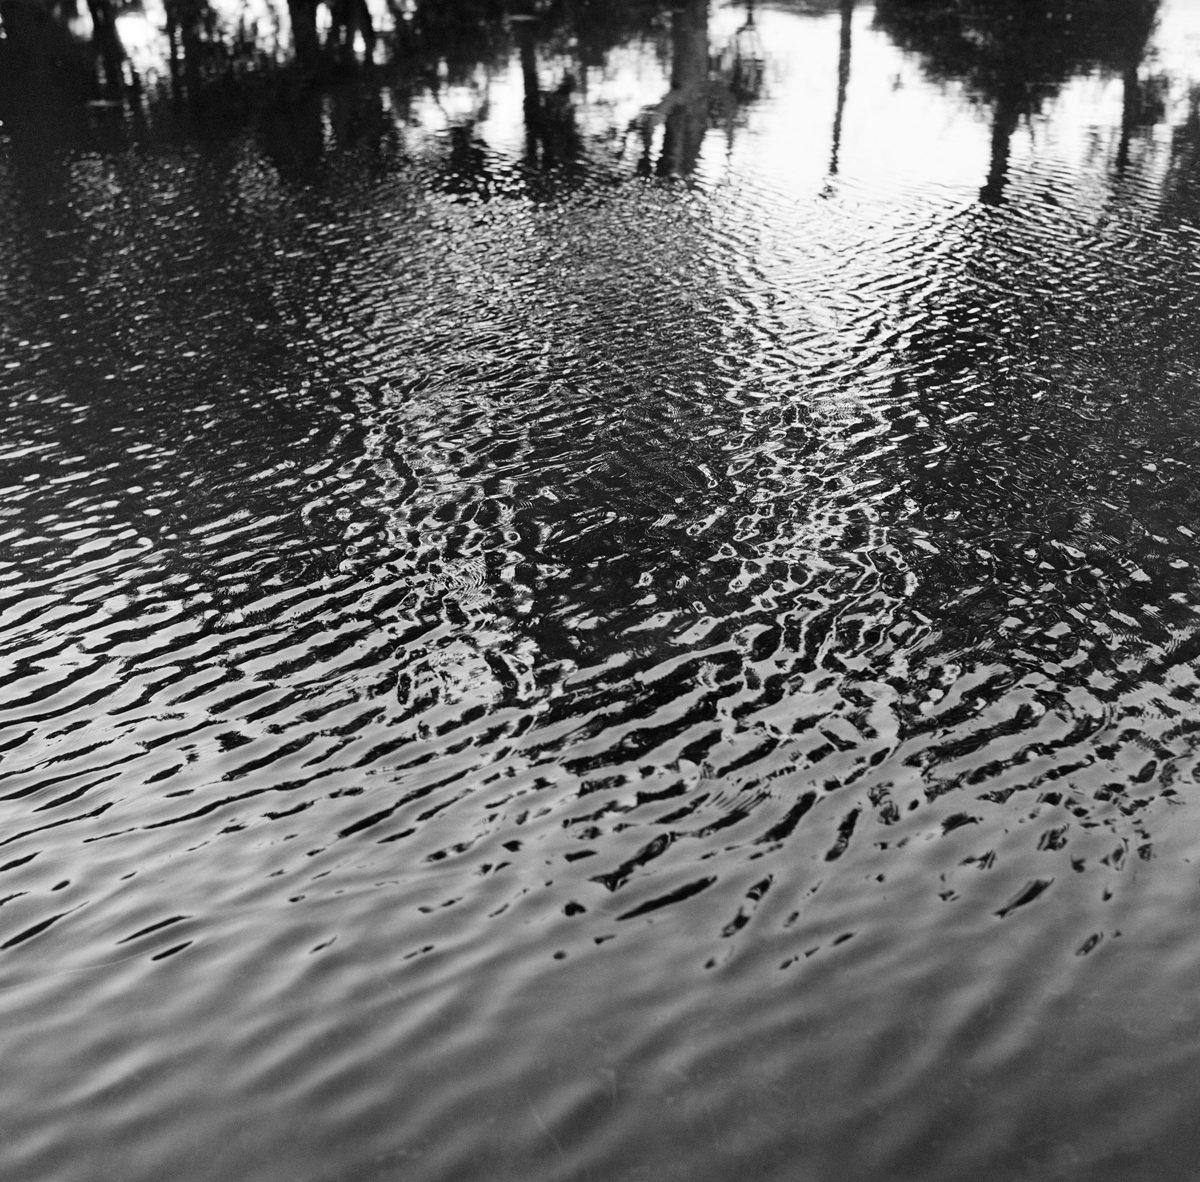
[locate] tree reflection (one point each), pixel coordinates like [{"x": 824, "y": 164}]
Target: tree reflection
[
  {"x": 1013, "y": 56},
  {"x": 705, "y": 89},
  {"x": 222, "y": 75},
  {"x": 685, "y": 109},
  {"x": 551, "y": 135}
]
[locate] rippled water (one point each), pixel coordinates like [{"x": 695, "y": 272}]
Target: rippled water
[{"x": 553, "y": 675}]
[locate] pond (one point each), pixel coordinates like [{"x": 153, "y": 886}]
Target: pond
[{"x": 611, "y": 613}]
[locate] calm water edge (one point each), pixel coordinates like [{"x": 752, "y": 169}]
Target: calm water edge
[{"x": 553, "y": 632}]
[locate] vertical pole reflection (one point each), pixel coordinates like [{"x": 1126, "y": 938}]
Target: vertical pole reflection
[
  {"x": 1004, "y": 122},
  {"x": 532, "y": 102},
  {"x": 1017, "y": 44},
  {"x": 1130, "y": 102},
  {"x": 689, "y": 47},
  {"x": 687, "y": 118},
  {"x": 1137, "y": 103},
  {"x": 551, "y": 133},
  {"x": 107, "y": 45},
  {"x": 847, "y": 7}
]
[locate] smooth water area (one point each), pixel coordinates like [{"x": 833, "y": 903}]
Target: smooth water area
[{"x": 603, "y": 655}]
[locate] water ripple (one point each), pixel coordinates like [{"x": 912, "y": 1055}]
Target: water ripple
[{"x": 564, "y": 636}]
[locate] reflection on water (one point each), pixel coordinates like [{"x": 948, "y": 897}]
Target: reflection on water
[
  {"x": 1014, "y": 56},
  {"x": 621, "y": 607}
]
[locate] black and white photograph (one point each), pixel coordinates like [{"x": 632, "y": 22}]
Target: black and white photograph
[{"x": 599, "y": 590}]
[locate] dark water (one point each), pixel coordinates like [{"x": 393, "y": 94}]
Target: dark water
[{"x": 516, "y": 668}]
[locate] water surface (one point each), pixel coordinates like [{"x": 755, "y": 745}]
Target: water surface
[{"x": 616, "y": 648}]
